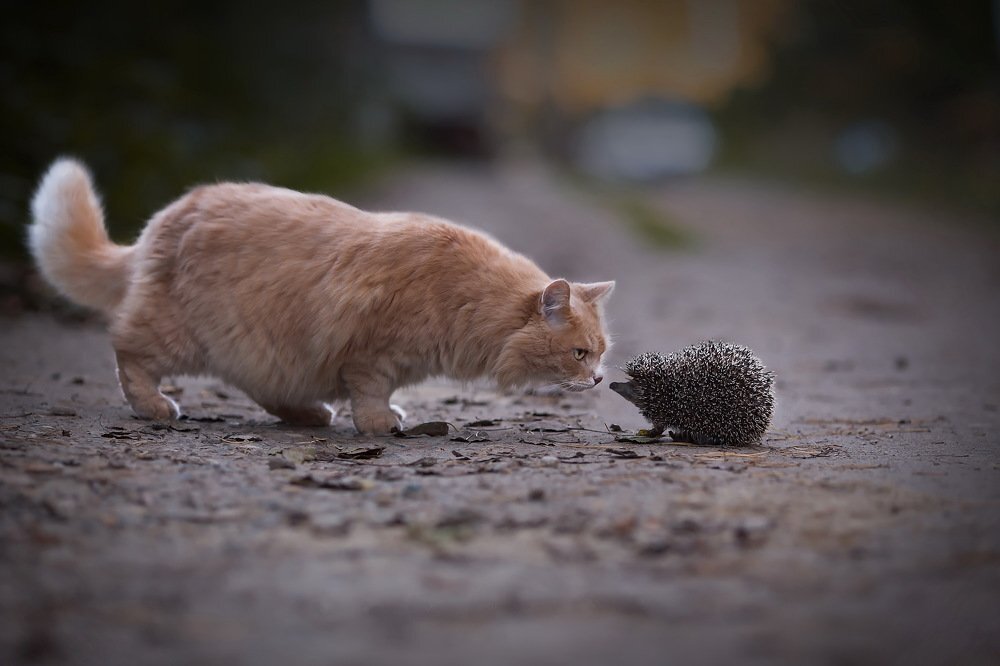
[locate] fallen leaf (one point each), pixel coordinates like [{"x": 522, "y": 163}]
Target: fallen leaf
[
  {"x": 546, "y": 426},
  {"x": 470, "y": 438},
  {"x": 806, "y": 451},
  {"x": 43, "y": 468},
  {"x": 621, "y": 452},
  {"x": 637, "y": 439},
  {"x": 153, "y": 427},
  {"x": 240, "y": 437},
  {"x": 300, "y": 454},
  {"x": 332, "y": 482},
  {"x": 461, "y": 517},
  {"x": 62, "y": 411},
  {"x": 430, "y": 429},
  {"x": 362, "y": 453},
  {"x": 483, "y": 423},
  {"x": 120, "y": 433},
  {"x": 423, "y": 462},
  {"x": 389, "y": 474},
  {"x": 183, "y": 428}
]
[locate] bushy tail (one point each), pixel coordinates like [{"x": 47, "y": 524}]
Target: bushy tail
[{"x": 70, "y": 243}]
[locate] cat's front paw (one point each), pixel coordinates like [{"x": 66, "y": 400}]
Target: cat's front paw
[
  {"x": 376, "y": 423},
  {"x": 157, "y": 408}
]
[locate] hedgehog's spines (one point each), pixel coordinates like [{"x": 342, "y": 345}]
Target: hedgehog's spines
[{"x": 710, "y": 392}]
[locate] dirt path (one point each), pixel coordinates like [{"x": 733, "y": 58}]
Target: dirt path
[{"x": 866, "y": 529}]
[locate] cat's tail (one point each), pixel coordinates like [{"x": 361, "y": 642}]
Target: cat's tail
[{"x": 70, "y": 243}]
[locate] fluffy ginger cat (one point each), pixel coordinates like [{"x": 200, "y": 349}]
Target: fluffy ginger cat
[{"x": 301, "y": 300}]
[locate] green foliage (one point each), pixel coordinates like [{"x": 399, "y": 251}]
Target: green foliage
[
  {"x": 156, "y": 97},
  {"x": 652, "y": 225},
  {"x": 926, "y": 69}
]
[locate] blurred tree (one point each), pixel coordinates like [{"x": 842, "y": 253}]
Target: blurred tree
[
  {"x": 926, "y": 70},
  {"x": 158, "y": 96}
]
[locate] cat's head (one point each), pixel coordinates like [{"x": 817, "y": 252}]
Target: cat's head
[{"x": 563, "y": 341}]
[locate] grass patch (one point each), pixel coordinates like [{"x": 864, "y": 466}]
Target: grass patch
[{"x": 651, "y": 224}]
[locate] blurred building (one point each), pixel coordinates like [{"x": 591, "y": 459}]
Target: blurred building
[
  {"x": 582, "y": 55},
  {"x": 584, "y": 78}
]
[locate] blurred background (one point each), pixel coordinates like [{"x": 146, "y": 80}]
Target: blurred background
[
  {"x": 901, "y": 97},
  {"x": 818, "y": 180}
]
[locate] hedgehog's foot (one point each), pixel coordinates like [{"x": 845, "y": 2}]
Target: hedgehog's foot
[{"x": 697, "y": 438}]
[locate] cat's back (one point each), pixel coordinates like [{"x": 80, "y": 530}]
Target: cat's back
[
  {"x": 239, "y": 219},
  {"x": 234, "y": 210},
  {"x": 436, "y": 250},
  {"x": 236, "y": 229}
]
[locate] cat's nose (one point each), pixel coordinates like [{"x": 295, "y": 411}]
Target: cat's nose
[{"x": 597, "y": 379}]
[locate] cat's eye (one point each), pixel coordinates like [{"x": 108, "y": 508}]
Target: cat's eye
[{"x": 578, "y": 354}]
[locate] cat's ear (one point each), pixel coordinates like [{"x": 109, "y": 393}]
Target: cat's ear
[
  {"x": 554, "y": 303},
  {"x": 595, "y": 292}
]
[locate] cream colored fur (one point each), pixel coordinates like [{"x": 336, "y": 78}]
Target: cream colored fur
[{"x": 301, "y": 300}]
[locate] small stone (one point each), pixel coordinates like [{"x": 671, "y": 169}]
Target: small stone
[
  {"x": 389, "y": 474},
  {"x": 549, "y": 461},
  {"x": 653, "y": 546},
  {"x": 411, "y": 490},
  {"x": 62, "y": 411},
  {"x": 462, "y": 517},
  {"x": 280, "y": 462},
  {"x": 330, "y": 525},
  {"x": 752, "y": 532}
]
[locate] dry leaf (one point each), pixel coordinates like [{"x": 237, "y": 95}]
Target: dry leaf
[
  {"x": 621, "y": 452},
  {"x": 637, "y": 439},
  {"x": 546, "y": 426},
  {"x": 430, "y": 429},
  {"x": 362, "y": 453},
  {"x": 332, "y": 482},
  {"x": 471, "y": 437}
]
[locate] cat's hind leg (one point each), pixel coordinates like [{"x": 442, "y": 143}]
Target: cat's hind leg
[
  {"x": 140, "y": 380},
  {"x": 315, "y": 415},
  {"x": 151, "y": 341}
]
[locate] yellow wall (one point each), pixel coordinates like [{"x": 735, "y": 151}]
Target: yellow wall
[{"x": 583, "y": 54}]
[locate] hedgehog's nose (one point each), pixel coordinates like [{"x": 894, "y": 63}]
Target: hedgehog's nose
[
  {"x": 597, "y": 379},
  {"x": 624, "y": 389}
]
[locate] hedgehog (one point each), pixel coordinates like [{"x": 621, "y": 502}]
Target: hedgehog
[{"x": 711, "y": 393}]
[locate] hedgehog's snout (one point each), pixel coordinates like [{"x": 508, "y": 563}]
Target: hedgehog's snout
[{"x": 624, "y": 389}]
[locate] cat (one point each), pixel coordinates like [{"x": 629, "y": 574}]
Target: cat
[{"x": 303, "y": 301}]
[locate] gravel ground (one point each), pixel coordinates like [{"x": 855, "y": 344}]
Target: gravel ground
[{"x": 864, "y": 529}]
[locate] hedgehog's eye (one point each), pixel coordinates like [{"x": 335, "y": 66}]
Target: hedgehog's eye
[{"x": 578, "y": 354}]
